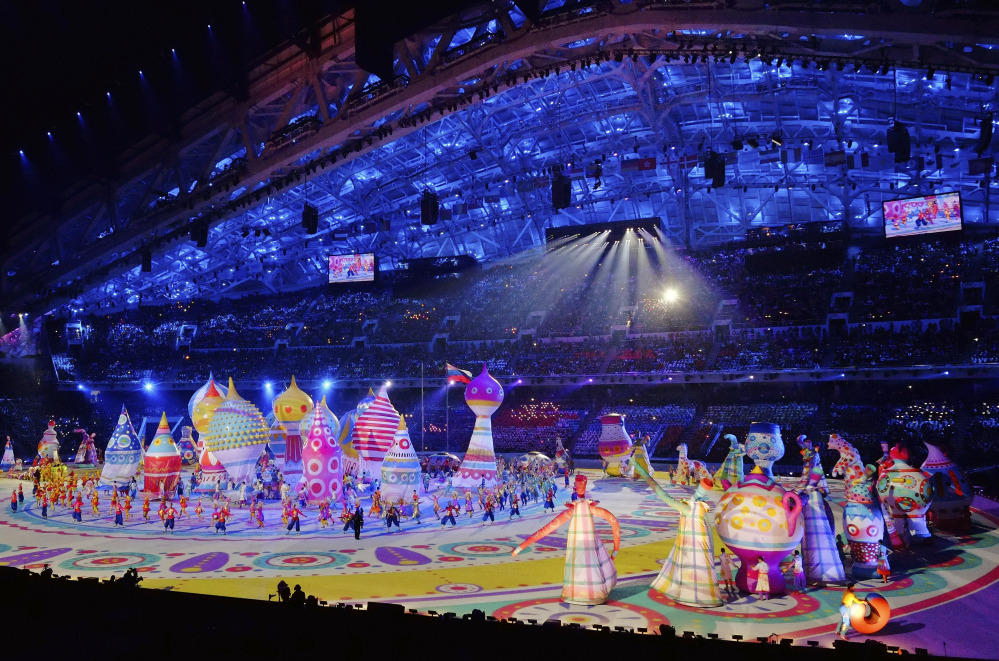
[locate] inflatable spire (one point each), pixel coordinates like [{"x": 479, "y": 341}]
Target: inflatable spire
[
  {"x": 200, "y": 394},
  {"x": 614, "y": 444},
  {"x": 374, "y": 430},
  {"x": 162, "y": 461},
  {"x": 8, "y": 456},
  {"x": 322, "y": 462},
  {"x": 237, "y": 435},
  {"x": 289, "y": 408},
  {"x": 49, "y": 445},
  {"x": 205, "y": 408},
  {"x": 484, "y": 395},
  {"x": 401, "y": 467},
  {"x": 123, "y": 453}
]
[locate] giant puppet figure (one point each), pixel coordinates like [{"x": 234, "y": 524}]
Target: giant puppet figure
[
  {"x": 818, "y": 546},
  {"x": 589, "y": 570},
  {"x": 287, "y": 434},
  {"x": 863, "y": 521},
  {"x": 688, "y": 468},
  {"x": 688, "y": 574},
  {"x": 484, "y": 395},
  {"x": 732, "y": 470},
  {"x": 951, "y": 508},
  {"x": 614, "y": 445},
  {"x": 907, "y": 493}
]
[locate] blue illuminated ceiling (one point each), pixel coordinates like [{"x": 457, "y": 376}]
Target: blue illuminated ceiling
[{"x": 487, "y": 104}]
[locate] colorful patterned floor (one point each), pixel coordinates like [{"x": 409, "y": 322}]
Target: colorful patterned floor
[{"x": 942, "y": 596}]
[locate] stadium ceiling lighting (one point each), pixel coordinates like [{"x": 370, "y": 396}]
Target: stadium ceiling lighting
[
  {"x": 671, "y": 295},
  {"x": 267, "y": 384},
  {"x": 326, "y": 385},
  {"x": 148, "y": 387},
  {"x": 388, "y": 384}
]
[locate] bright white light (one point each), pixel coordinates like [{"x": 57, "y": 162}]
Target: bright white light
[
  {"x": 671, "y": 295},
  {"x": 388, "y": 384},
  {"x": 148, "y": 387},
  {"x": 267, "y": 384},
  {"x": 326, "y": 385}
]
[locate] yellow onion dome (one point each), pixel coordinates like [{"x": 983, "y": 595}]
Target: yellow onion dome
[
  {"x": 293, "y": 404},
  {"x": 236, "y": 423},
  {"x": 205, "y": 408}
]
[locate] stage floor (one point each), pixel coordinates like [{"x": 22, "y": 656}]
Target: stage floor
[{"x": 942, "y": 596}]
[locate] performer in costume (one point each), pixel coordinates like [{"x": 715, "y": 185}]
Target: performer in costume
[
  {"x": 589, "y": 571},
  {"x": 416, "y": 506},
  {"x": 799, "y": 572},
  {"x": 13, "y": 501},
  {"x": 358, "y": 522},
  {"x": 183, "y": 507},
  {"x": 884, "y": 568},
  {"x": 198, "y": 509},
  {"x": 118, "y": 513},
  {"x": 376, "y": 504},
  {"x": 515, "y": 506},
  {"x": 219, "y": 518},
  {"x": 294, "y": 515},
  {"x": 762, "y": 578},
  {"x": 449, "y": 513},
  {"x": 170, "y": 514},
  {"x": 727, "y": 562},
  {"x": 688, "y": 574},
  {"x": 488, "y": 514},
  {"x": 846, "y": 603}
]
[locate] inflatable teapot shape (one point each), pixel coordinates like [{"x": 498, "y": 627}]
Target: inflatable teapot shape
[
  {"x": 757, "y": 517},
  {"x": 907, "y": 493}
]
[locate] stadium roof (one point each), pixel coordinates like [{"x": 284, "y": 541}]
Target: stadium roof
[{"x": 485, "y": 105}]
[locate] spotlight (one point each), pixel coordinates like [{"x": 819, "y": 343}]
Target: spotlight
[
  {"x": 267, "y": 385},
  {"x": 671, "y": 295},
  {"x": 326, "y": 385},
  {"x": 148, "y": 387}
]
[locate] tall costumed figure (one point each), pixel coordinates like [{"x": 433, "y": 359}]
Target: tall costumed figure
[
  {"x": 484, "y": 395},
  {"x": 290, "y": 408},
  {"x": 818, "y": 546},
  {"x": 589, "y": 570},
  {"x": 688, "y": 574}
]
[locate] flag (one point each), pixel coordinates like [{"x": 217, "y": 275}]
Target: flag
[
  {"x": 455, "y": 374},
  {"x": 638, "y": 164},
  {"x": 684, "y": 161}
]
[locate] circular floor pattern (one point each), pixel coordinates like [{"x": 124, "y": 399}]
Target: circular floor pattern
[
  {"x": 785, "y": 606},
  {"x": 487, "y": 549},
  {"x": 298, "y": 561},
  {"x": 459, "y": 588},
  {"x": 110, "y": 562},
  {"x": 613, "y": 613}
]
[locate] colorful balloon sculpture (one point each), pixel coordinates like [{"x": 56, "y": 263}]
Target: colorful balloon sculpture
[
  {"x": 589, "y": 574},
  {"x": 212, "y": 471},
  {"x": 289, "y": 408},
  {"x": 8, "y": 456},
  {"x": 162, "y": 461},
  {"x": 237, "y": 435},
  {"x": 688, "y": 574},
  {"x": 187, "y": 447},
  {"x": 732, "y": 470},
  {"x": 873, "y": 621},
  {"x": 484, "y": 395},
  {"x": 401, "y": 467},
  {"x": 123, "y": 453},
  {"x": 200, "y": 394},
  {"x": 48, "y": 447},
  {"x": 614, "y": 445},
  {"x": 951, "y": 508},
  {"x": 765, "y": 446},
  {"x": 640, "y": 455},
  {"x": 688, "y": 468},
  {"x": 758, "y": 517},
  {"x": 863, "y": 521},
  {"x": 352, "y": 462},
  {"x": 374, "y": 430},
  {"x": 907, "y": 493},
  {"x": 203, "y": 410},
  {"x": 322, "y": 462}
]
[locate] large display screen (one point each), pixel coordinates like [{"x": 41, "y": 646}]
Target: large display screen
[
  {"x": 922, "y": 215},
  {"x": 352, "y": 268}
]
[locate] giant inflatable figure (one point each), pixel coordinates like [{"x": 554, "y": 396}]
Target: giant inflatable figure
[
  {"x": 863, "y": 521},
  {"x": 121, "y": 458},
  {"x": 237, "y": 435},
  {"x": 688, "y": 574},
  {"x": 290, "y": 408},
  {"x": 374, "y": 431},
  {"x": 401, "y": 467},
  {"x": 188, "y": 448},
  {"x": 614, "y": 445},
  {"x": 322, "y": 461},
  {"x": 687, "y": 468},
  {"x": 162, "y": 461},
  {"x": 212, "y": 471},
  {"x": 484, "y": 395},
  {"x": 640, "y": 455},
  {"x": 8, "y": 456},
  {"x": 732, "y": 470},
  {"x": 589, "y": 573},
  {"x": 765, "y": 446},
  {"x": 907, "y": 493},
  {"x": 871, "y": 615},
  {"x": 321, "y": 409},
  {"x": 48, "y": 447},
  {"x": 758, "y": 517},
  {"x": 951, "y": 508},
  {"x": 818, "y": 545},
  {"x": 812, "y": 474},
  {"x": 86, "y": 454},
  {"x": 200, "y": 394}
]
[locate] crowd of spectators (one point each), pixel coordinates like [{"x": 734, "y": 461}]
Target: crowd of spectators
[
  {"x": 658, "y": 354},
  {"x": 795, "y": 348},
  {"x": 910, "y": 344},
  {"x": 554, "y": 358}
]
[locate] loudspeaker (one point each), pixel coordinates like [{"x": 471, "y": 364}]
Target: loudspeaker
[
  {"x": 199, "y": 234},
  {"x": 310, "y": 218},
  {"x": 899, "y": 142},
  {"x": 714, "y": 169},
  {"x": 147, "y": 261},
  {"x": 380, "y": 609},
  {"x": 985, "y": 137},
  {"x": 430, "y": 208},
  {"x": 561, "y": 192}
]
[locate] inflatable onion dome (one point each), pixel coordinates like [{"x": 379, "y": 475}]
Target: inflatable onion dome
[
  {"x": 292, "y": 404},
  {"x": 199, "y": 394},
  {"x": 345, "y": 436},
  {"x": 310, "y": 418},
  {"x": 236, "y": 424},
  {"x": 366, "y": 402},
  {"x": 205, "y": 408},
  {"x": 163, "y": 444},
  {"x": 484, "y": 394},
  {"x": 401, "y": 467}
]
